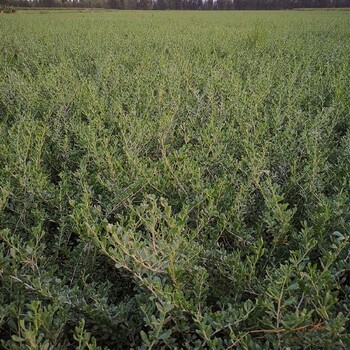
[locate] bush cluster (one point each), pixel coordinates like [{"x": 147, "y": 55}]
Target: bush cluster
[
  {"x": 175, "y": 180},
  {"x": 7, "y": 9}
]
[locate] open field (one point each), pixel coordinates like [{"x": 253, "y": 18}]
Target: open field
[{"x": 175, "y": 180}]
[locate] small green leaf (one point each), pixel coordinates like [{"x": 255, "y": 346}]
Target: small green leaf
[
  {"x": 165, "y": 335},
  {"x": 17, "y": 339},
  {"x": 144, "y": 338},
  {"x": 294, "y": 286}
]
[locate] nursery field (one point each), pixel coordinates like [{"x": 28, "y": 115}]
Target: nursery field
[{"x": 175, "y": 180}]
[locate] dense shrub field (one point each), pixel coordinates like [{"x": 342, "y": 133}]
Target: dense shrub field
[{"x": 175, "y": 180}]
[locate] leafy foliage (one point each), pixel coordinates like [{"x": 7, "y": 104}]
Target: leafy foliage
[{"x": 174, "y": 180}]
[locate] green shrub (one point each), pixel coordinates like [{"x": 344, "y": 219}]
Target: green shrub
[
  {"x": 174, "y": 180},
  {"x": 7, "y": 9}
]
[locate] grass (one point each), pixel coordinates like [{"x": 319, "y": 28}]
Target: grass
[{"x": 174, "y": 180}]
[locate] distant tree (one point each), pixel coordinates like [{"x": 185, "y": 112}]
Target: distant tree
[
  {"x": 161, "y": 5},
  {"x": 145, "y": 4},
  {"x": 209, "y": 5},
  {"x": 184, "y": 4}
]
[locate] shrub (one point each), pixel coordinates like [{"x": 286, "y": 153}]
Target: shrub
[
  {"x": 174, "y": 181},
  {"x": 7, "y": 9}
]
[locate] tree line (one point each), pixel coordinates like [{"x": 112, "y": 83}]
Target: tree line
[{"x": 182, "y": 4}]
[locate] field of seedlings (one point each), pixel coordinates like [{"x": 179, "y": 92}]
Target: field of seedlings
[{"x": 175, "y": 180}]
